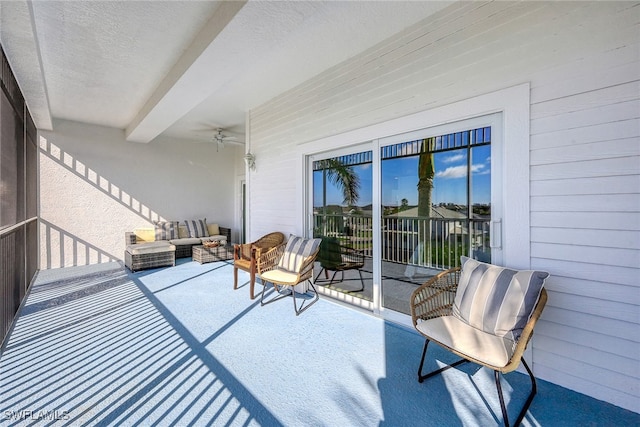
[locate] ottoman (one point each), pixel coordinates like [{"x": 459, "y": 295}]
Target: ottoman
[{"x": 149, "y": 255}]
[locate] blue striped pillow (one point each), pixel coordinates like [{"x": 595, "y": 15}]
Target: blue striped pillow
[
  {"x": 296, "y": 251},
  {"x": 165, "y": 230},
  {"x": 197, "y": 228},
  {"x": 495, "y": 299}
]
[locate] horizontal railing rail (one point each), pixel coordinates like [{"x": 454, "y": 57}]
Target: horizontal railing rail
[
  {"x": 10, "y": 228},
  {"x": 422, "y": 242}
]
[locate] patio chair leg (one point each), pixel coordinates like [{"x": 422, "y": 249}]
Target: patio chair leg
[
  {"x": 361, "y": 281},
  {"x": 303, "y": 307},
  {"x": 274, "y": 299},
  {"x": 525, "y": 408},
  {"x": 422, "y": 377},
  {"x": 527, "y": 404},
  {"x": 334, "y": 276},
  {"x": 319, "y": 273},
  {"x": 424, "y": 353},
  {"x": 292, "y": 292},
  {"x": 342, "y": 279},
  {"x": 505, "y": 416},
  {"x": 534, "y": 390}
]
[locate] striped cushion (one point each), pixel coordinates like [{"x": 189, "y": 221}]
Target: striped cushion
[
  {"x": 296, "y": 251},
  {"x": 197, "y": 228},
  {"x": 495, "y": 299},
  {"x": 165, "y": 230}
]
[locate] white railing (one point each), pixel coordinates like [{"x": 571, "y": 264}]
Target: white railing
[{"x": 424, "y": 242}]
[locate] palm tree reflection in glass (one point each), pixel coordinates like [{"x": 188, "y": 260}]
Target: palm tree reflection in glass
[
  {"x": 426, "y": 172},
  {"x": 347, "y": 181}
]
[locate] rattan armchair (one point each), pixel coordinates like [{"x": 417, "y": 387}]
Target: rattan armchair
[
  {"x": 286, "y": 266},
  {"x": 245, "y": 257},
  {"x": 432, "y": 313}
]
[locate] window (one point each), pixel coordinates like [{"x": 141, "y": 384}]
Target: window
[{"x": 436, "y": 199}]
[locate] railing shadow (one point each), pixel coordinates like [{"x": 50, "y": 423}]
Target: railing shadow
[
  {"x": 102, "y": 349},
  {"x": 83, "y": 252},
  {"x": 97, "y": 181},
  {"x": 62, "y": 248},
  {"x": 99, "y": 346}
]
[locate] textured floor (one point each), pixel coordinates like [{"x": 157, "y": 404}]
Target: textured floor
[{"x": 178, "y": 346}]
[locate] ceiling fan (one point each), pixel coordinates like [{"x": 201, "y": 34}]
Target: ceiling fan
[{"x": 221, "y": 139}]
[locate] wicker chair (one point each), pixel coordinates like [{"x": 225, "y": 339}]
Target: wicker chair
[
  {"x": 432, "y": 310},
  {"x": 245, "y": 257},
  {"x": 339, "y": 258},
  {"x": 288, "y": 265}
]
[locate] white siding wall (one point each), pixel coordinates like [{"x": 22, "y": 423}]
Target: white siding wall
[
  {"x": 95, "y": 186},
  {"x": 582, "y": 61}
]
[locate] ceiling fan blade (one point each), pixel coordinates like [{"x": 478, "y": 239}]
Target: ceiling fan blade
[{"x": 218, "y": 136}]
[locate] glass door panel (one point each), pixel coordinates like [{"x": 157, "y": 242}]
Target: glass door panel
[
  {"x": 435, "y": 206},
  {"x": 342, "y": 217}
]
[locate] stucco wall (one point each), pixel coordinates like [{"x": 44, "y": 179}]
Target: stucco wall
[
  {"x": 582, "y": 62},
  {"x": 95, "y": 186}
]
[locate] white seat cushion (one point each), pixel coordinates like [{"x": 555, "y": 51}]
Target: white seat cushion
[
  {"x": 456, "y": 334},
  {"x": 280, "y": 276},
  {"x": 150, "y": 248}
]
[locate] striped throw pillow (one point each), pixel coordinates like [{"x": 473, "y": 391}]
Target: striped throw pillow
[
  {"x": 296, "y": 251},
  {"x": 197, "y": 228},
  {"x": 495, "y": 299},
  {"x": 165, "y": 230}
]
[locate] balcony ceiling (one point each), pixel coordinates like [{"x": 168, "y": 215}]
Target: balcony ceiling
[{"x": 181, "y": 68}]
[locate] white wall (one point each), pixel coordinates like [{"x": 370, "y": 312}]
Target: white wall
[
  {"x": 95, "y": 186},
  {"x": 582, "y": 61}
]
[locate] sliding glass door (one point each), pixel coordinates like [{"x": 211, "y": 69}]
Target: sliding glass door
[
  {"x": 435, "y": 207},
  {"x": 411, "y": 205},
  {"x": 342, "y": 217}
]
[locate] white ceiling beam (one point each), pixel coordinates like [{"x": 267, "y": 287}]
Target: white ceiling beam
[{"x": 182, "y": 88}]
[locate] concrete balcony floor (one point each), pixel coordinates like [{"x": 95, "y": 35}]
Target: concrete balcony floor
[{"x": 97, "y": 345}]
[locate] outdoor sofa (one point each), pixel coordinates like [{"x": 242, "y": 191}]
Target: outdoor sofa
[{"x": 160, "y": 245}]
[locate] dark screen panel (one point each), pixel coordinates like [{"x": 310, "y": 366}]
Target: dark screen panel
[
  {"x": 11, "y": 165},
  {"x": 31, "y": 177},
  {"x": 18, "y": 196}
]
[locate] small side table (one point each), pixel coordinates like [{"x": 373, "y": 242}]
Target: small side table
[{"x": 217, "y": 253}]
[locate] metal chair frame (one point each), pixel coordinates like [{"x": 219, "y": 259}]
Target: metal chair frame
[{"x": 350, "y": 259}]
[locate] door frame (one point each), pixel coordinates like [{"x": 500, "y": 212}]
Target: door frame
[
  {"x": 512, "y": 102},
  {"x": 495, "y": 121}
]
